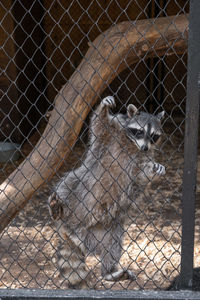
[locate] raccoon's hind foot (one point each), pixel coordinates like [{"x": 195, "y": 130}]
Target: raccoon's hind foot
[
  {"x": 76, "y": 279},
  {"x": 108, "y": 101},
  {"x": 83, "y": 285},
  {"x": 159, "y": 169},
  {"x": 122, "y": 274}
]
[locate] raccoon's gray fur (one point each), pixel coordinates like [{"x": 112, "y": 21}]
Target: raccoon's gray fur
[{"x": 90, "y": 203}]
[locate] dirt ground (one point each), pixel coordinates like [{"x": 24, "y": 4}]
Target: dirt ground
[{"x": 151, "y": 243}]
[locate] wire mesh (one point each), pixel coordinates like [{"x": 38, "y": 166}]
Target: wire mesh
[{"x": 44, "y": 46}]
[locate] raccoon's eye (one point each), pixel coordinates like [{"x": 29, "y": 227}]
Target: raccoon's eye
[
  {"x": 136, "y": 132},
  {"x": 154, "y": 138}
]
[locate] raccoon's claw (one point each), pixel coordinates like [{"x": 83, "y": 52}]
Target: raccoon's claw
[
  {"x": 159, "y": 169},
  {"x": 109, "y": 101},
  {"x": 55, "y": 207},
  {"x": 130, "y": 275}
]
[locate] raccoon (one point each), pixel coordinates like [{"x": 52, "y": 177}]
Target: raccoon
[{"x": 90, "y": 203}]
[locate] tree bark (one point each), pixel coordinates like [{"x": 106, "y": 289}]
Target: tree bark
[{"x": 110, "y": 53}]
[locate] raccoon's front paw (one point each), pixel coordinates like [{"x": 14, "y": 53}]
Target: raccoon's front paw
[
  {"x": 108, "y": 101},
  {"x": 55, "y": 207},
  {"x": 159, "y": 169}
]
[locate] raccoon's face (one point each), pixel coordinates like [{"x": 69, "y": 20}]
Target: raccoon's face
[{"x": 143, "y": 129}]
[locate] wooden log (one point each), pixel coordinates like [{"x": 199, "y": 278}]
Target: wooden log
[{"x": 111, "y": 52}]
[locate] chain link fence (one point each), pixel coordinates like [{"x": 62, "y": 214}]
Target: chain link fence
[{"x": 59, "y": 60}]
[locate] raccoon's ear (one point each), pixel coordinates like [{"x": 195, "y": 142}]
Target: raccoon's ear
[
  {"x": 131, "y": 110},
  {"x": 160, "y": 115}
]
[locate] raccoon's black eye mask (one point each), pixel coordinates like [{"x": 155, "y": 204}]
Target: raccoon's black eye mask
[
  {"x": 139, "y": 134},
  {"x": 154, "y": 138}
]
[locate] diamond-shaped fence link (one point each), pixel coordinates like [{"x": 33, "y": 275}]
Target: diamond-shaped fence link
[{"x": 87, "y": 90}]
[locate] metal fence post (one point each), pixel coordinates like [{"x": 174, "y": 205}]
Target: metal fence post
[{"x": 191, "y": 147}]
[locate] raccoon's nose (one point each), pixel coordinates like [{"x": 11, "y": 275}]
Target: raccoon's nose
[{"x": 144, "y": 148}]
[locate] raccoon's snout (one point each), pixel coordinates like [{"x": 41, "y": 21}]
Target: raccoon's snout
[{"x": 144, "y": 148}]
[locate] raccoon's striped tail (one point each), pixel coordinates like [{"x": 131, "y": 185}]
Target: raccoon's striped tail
[{"x": 71, "y": 263}]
